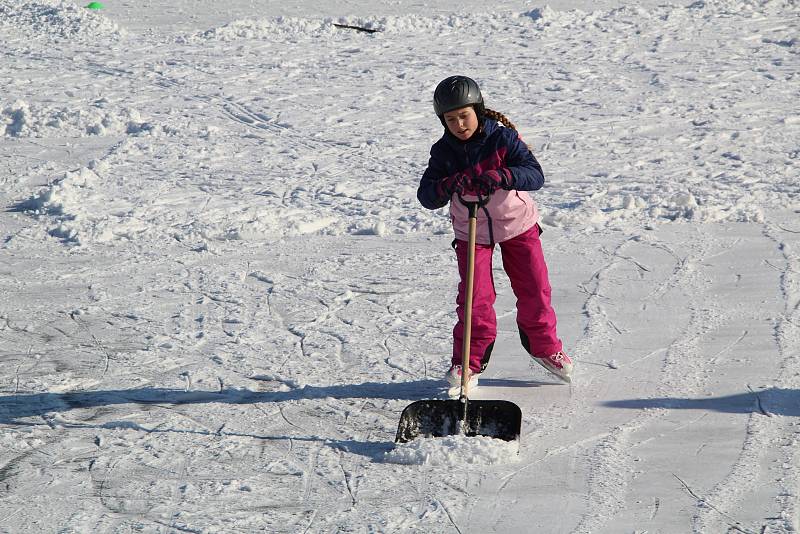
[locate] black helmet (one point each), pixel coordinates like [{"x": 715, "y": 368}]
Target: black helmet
[{"x": 457, "y": 92}]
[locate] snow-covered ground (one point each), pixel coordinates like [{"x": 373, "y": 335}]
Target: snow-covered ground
[{"x": 218, "y": 291}]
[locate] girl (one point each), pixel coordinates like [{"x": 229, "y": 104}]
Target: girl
[{"x": 478, "y": 156}]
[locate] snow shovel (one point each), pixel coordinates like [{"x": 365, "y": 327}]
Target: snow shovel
[{"x": 438, "y": 418}]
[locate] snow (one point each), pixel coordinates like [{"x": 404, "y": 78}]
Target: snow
[
  {"x": 454, "y": 451},
  {"x": 218, "y": 290}
]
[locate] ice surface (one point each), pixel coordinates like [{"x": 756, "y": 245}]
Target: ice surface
[{"x": 218, "y": 290}]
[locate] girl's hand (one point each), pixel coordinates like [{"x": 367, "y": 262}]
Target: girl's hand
[
  {"x": 450, "y": 185},
  {"x": 490, "y": 181}
]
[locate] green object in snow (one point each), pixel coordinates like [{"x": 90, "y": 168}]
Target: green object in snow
[{"x": 95, "y": 5}]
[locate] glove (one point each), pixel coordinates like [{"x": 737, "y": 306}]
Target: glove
[
  {"x": 490, "y": 181},
  {"x": 450, "y": 185}
]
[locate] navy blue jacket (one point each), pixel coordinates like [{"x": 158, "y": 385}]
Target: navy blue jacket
[{"x": 491, "y": 148}]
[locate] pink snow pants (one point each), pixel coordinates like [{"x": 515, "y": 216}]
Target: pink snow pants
[{"x": 524, "y": 263}]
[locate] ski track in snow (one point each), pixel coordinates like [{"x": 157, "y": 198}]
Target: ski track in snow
[{"x": 219, "y": 291}]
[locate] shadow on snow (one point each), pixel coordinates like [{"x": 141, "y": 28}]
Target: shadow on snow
[
  {"x": 769, "y": 401},
  {"x": 16, "y": 407}
]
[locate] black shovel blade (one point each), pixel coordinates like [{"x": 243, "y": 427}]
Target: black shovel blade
[{"x": 438, "y": 418}]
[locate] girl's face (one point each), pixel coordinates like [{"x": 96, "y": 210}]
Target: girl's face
[{"x": 462, "y": 122}]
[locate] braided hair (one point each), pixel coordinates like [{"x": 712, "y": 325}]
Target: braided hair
[{"x": 499, "y": 117}]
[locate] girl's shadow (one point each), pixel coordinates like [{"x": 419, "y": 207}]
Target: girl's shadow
[{"x": 15, "y": 408}]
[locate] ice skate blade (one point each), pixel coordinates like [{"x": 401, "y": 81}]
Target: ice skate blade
[{"x": 566, "y": 379}]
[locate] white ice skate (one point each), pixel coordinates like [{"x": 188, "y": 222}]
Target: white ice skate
[{"x": 454, "y": 382}]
